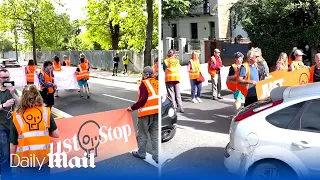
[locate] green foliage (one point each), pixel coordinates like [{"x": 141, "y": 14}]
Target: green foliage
[
  {"x": 278, "y": 25},
  {"x": 172, "y": 9}
]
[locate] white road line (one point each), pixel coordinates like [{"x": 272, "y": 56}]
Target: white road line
[
  {"x": 64, "y": 114},
  {"x": 119, "y": 98}
]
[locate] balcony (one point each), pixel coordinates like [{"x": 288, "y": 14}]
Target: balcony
[{"x": 205, "y": 9}]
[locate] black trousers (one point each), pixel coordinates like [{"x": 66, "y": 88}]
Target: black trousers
[
  {"x": 48, "y": 98},
  {"x": 115, "y": 68},
  {"x": 250, "y": 100},
  {"x": 125, "y": 68}
]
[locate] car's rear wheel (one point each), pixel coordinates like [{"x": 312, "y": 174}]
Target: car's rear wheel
[
  {"x": 272, "y": 170},
  {"x": 168, "y": 134}
]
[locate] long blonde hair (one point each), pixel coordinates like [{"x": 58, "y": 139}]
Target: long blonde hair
[
  {"x": 194, "y": 56},
  {"x": 30, "y": 98},
  {"x": 283, "y": 61}
]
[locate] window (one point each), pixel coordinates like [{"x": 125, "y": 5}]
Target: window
[
  {"x": 174, "y": 30},
  {"x": 283, "y": 117},
  {"x": 194, "y": 31},
  {"x": 310, "y": 119}
]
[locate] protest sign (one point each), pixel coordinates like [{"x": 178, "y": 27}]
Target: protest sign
[
  {"x": 105, "y": 135},
  {"x": 63, "y": 79},
  {"x": 281, "y": 78}
]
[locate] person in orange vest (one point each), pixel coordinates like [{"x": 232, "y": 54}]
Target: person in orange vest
[
  {"x": 297, "y": 63},
  {"x": 194, "y": 70},
  {"x": 214, "y": 65},
  {"x": 282, "y": 62},
  {"x": 148, "y": 108},
  {"x": 232, "y": 80},
  {"x": 30, "y": 133},
  {"x": 83, "y": 77},
  {"x": 171, "y": 67},
  {"x": 315, "y": 70},
  {"x": 86, "y": 61},
  {"x": 30, "y": 70},
  {"x": 248, "y": 77},
  {"x": 155, "y": 68},
  {"x": 66, "y": 61},
  {"x": 47, "y": 86},
  {"x": 56, "y": 67}
]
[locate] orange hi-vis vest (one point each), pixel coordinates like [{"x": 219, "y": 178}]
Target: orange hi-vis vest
[
  {"x": 67, "y": 62},
  {"x": 233, "y": 84},
  {"x": 211, "y": 71},
  {"x": 31, "y": 69},
  {"x": 47, "y": 79},
  {"x": 244, "y": 87},
  {"x": 312, "y": 73},
  {"x": 56, "y": 66},
  {"x": 194, "y": 72},
  {"x": 33, "y": 130},
  {"x": 297, "y": 65},
  {"x": 86, "y": 61},
  {"x": 172, "y": 72},
  {"x": 151, "y": 106},
  {"x": 84, "y": 73},
  {"x": 155, "y": 68}
]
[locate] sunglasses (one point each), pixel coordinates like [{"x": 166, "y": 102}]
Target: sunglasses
[{"x": 5, "y": 77}]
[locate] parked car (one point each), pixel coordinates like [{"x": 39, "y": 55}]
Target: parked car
[
  {"x": 9, "y": 63},
  {"x": 278, "y": 138},
  {"x": 169, "y": 119}
]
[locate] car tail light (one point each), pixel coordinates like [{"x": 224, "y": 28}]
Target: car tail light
[{"x": 255, "y": 110}]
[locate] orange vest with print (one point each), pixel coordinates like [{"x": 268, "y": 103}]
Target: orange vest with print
[
  {"x": 67, "y": 62},
  {"x": 172, "y": 72},
  {"x": 48, "y": 79},
  {"x": 56, "y": 66},
  {"x": 151, "y": 106},
  {"x": 312, "y": 73},
  {"x": 244, "y": 87},
  {"x": 30, "y": 73},
  {"x": 233, "y": 84},
  {"x": 211, "y": 71},
  {"x": 33, "y": 130},
  {"x": 194, "y": 72},
  {"x": 84, "y": 73}
]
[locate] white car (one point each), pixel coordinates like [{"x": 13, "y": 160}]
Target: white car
[{"x": 277, "y": 138}]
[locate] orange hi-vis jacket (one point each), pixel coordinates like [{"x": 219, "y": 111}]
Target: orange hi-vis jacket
[
  {"x": 194, "y": 72},
  {"x": 48, "y": 79},
  {"x": 312, "y": 73},
  {"x": 244, "y": 87},
  {"x": 172, "y": 72},
  {"x": 233, "y": 84},
  {"x": 151, "y": 106},
  {"x": 67, "y": 62},
  {"x": 86, "y": 61},
  {"x": 84, "y": 73},
  {"x": 155, "y": 68},
  {"x": 211, "y": 71},
  {"x": 31, "y": 69},
  {"x": 56, "y": 66},
  {"x": 33, "y": 130}
]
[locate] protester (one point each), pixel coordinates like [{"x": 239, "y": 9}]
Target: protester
[
  {"x": 247, "y": 83},
  {"x": 148, "y": 107},
  {"x": 155, "y": 68},
  {"x": 214, "y": 65},
  {"x": 194, "y": 70},
  {"x": 125, "y": 60},
  {"x": 297, "y": 63},
  {"x": 291, "y": 57},
  {"x": 86, "y": 61},
  {"x": 263, "y": 68},
  {"x": 82, "y": 74},
  {"x": 30, "y": 70},
  {"x": 8, "y": 99},
  {"x": 56, "y": 67},
  {"x": 232, "y": 80},
  {"x": 47, "y": 85},
  {"x": 171, "y": 67},
  {"x": 315, "y": 70},
  {"x": 66, "y": 61},
  {"x": 282, "y": 62},
  {"x": 32, "y": 126},
  {"x": 116, "y": 60}
]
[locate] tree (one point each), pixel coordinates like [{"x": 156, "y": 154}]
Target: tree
[
  {"x": 148, "y": 43},
  {"x": 278, "y": 25},
  {"x": 172, "y": 9}
]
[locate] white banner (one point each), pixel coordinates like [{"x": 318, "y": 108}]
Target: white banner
[
  {"x": 68, "y": 68},
  {"x": 18, "y": 75},
  {"x": 63, "y": 79}
]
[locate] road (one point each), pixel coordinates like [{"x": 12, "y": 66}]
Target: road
[
  {"x": 106, "y": 95},
  {"x": 197, "y": 150}
]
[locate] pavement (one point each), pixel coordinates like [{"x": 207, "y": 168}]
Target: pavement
[{"x": 203, "y": 132}]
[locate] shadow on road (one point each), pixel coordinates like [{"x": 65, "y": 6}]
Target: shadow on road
[
  {"x": 208, "y": 120},
  {"x": 198, "y": 163},
  {"x": 206, "y": 94}
]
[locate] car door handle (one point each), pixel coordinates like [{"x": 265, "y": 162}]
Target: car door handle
[{"x": 301, "y": 144}]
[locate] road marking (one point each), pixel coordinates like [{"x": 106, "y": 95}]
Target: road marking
[
  {"x": 58, "y": 116},
  {"x": 119, "y": 98}
]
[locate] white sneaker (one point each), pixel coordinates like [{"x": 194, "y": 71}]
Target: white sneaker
[
  {"x": 199, "y": 100},
  {"x": 194, "y": 101}
]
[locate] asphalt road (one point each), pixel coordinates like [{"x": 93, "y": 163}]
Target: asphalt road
[
  {"x": 197, "y": 150},
  {"x": 107, "y": 95}
]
